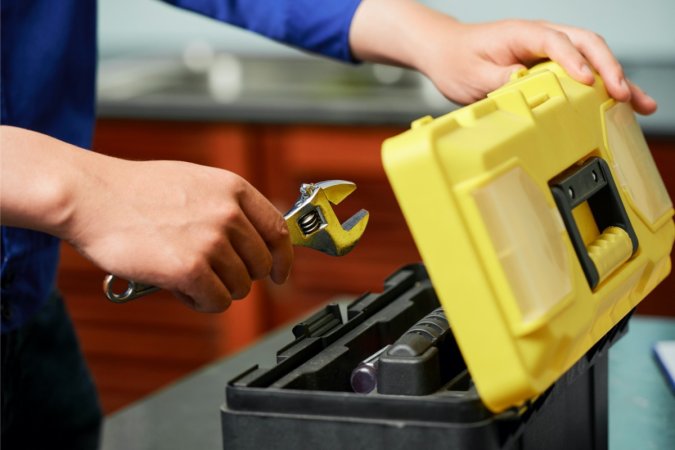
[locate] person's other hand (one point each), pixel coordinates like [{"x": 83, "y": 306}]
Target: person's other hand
[
  {"x": 202, "y": 233},
  {"x": 467, "y": 61},
  {"x": 485, "y": 55}
]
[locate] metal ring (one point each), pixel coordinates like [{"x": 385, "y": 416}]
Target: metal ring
[{"x": 133, "y": 290}]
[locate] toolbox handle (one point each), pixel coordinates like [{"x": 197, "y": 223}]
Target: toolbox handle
[{"x": 617, "y": 242}]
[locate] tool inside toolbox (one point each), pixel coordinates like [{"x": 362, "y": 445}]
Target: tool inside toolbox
[
  {"x": 416, "y": 357},
  {"x": 419, "y": 360}
]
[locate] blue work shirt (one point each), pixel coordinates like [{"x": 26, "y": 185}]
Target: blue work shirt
[{"x": 47, "y": 85}]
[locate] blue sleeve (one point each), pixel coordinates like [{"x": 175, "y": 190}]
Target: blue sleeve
[{"x": 318, "y": 26}]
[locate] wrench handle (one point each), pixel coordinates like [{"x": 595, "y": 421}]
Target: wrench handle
[{"x": 133, "y": 290}]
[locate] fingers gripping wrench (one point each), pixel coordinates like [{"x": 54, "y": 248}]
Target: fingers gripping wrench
[{"x": 311, "y": 223}]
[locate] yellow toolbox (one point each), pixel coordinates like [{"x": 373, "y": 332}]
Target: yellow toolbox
[{"x": 542, "y": 221}]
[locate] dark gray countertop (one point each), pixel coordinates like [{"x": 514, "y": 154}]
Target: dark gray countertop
[
  {"x": 186, "y": 415},
  {"x": 265, "y": 90},
  {"x": 224, "y": 87}
]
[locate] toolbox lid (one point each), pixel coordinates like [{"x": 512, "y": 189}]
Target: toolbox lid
[{"x": 542, "y": 220}]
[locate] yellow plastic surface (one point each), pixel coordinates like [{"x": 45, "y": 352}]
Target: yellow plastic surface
[{"x": 474, "y": 188}]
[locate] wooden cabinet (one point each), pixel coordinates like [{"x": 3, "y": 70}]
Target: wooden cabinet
[{"x": 138, "y": 347}]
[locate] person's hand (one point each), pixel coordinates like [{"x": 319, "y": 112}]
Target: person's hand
[
  {"x": 202, "y": 233},
  {"x": 467, "y": 61},
  {"x": 485, "y": 56}
]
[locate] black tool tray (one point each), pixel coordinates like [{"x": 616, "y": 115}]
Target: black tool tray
[{"x": 307, "y": 401}]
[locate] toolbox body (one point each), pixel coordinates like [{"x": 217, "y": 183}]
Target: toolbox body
[
  {"x": 306, "y": 400},
  {"x": 542, "y": 222}
]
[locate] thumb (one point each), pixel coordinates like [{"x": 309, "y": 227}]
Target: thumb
[
  {"x": 494, "y": 76},
  {"x": 506, "y": 73}
]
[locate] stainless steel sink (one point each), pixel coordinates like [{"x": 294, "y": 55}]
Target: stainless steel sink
[
  {"x": 229, "y": 77},
  {"x": 259, "y": 88}
]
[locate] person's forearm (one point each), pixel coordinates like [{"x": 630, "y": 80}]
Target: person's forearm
[
  {"x": 39, "y": 174},
  {"x": 395, "y": 31}
]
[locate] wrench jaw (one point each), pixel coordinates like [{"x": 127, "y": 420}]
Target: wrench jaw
[
  {"x": 335, "y": 190},
  {"x": 312, "y": 222},
  {"x": 337, "y": 239},
  {"x": 344, "y": 237}
]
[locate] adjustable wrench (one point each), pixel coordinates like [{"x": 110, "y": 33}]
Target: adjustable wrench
[{"x": 311, "y": 223}]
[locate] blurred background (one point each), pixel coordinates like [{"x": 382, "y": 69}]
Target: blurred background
[
  {"x": 635, "y": 30},
  {"x": 174, "y": 85}
]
